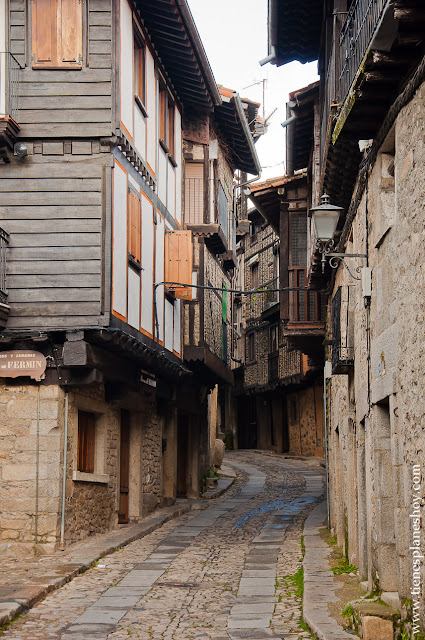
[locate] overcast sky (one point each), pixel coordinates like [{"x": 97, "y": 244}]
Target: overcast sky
[{"x": 234, "y": 34}]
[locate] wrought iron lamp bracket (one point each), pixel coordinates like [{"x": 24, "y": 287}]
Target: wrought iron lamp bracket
[{"x": 336, "y": 258}]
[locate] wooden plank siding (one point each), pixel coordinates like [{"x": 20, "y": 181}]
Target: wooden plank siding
[
  {"x": 54, "y": 213},
  {"x": 66, "y": 103}
]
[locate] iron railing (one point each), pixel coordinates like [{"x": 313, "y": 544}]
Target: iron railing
[
  {"x": 9, "y": 86},
  {"x": 355, "y": 38},
  {"x": 4, "y": 241}
]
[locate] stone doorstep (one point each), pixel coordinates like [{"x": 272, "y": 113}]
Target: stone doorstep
[{"x": 22, "y": 599}]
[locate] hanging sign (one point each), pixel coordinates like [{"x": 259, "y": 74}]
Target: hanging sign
[{"x": 14, "y": 364}]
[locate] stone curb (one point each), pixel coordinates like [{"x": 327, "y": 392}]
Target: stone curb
[
  {"x": 113, "y": 540},
  {"x": 223, "y": 485},
  {"x": 319, "y": 582}
]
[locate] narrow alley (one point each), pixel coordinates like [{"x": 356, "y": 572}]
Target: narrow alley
[{"x": 220, "y": 571}]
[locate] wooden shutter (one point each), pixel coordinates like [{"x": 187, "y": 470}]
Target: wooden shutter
[
  {"x": 134, "y": 227},
  {"x": 44, "y": 33},
  {"x": 70, "y": 33},
  {"x": 86, "y": 438},
  {"x": 57, "y": 34},
  {"x": 178, "y": 262},
  {"x": 194, "y": 193}
]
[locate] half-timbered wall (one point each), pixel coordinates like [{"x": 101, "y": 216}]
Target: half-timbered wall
[{"x": 65, "y": 102}]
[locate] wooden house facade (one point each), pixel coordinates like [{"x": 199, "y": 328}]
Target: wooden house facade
[{"x": 93, "y": 100}]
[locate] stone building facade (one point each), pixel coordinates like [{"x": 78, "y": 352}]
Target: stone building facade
[
  {"x": 281, "y": 396},
  {"x": 360, "y": 133}
]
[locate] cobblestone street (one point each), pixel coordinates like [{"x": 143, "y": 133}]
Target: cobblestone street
[{"x": 217, "y": 572}]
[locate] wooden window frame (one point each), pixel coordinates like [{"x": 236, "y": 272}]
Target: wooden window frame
[
  {"x": 139, "y": 71},
  {"x": 86, "y": 441},
  {"x": 255, "y": 276},
  {"x": 250, "y": 347},
  {"x": 134, "y": 214},
  {"x": 60, "y": 50},
  {"x": 167, "y": 134},
  {"x": 273, "y": 329}
]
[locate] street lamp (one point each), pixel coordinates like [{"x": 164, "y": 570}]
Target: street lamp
[{"x": 325, "y": 220}]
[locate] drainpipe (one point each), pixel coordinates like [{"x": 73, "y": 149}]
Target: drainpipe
[
  {"x": 65, "y": 447},
  {"x": 289, "y": 124},
  {"x": 273, "y": 28},
  {"x": 37, "y": 466}
]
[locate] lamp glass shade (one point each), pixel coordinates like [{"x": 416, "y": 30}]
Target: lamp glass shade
[{"x": 325, "y": 222}]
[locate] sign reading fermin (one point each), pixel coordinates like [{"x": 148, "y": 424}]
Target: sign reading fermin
[{"x": 14, "y": 364}]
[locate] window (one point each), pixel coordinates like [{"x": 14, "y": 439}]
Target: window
[
  {"x": 274, "y": 338},
  {"x": 254, "y": 276},
  {"x": 250, "y": 347},
  {"x": 139, "y": 71},
  {"x": 194, "y": 193},
  {"x": 134, "y": 228},
  {"x": 57, "y": 34},
  {"x": 86, "y": 438},
  {"x": 166, "y": 121},
  {"x": 253, "y": 233}
]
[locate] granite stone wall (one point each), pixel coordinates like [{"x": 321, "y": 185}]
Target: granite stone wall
[{"x": 376, "y": 425}]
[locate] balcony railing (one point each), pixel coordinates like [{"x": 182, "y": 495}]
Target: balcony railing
[
  {"x": 272, "y": 295},
  {"x": 194, "y": 201},
  {"x": 9, "y": 86},
  {"x": 304, "y": 306},
  {"x": 4, "y": 241},
  {"x": 355, "y": 38},
  {"x": 223, "y": 210}
]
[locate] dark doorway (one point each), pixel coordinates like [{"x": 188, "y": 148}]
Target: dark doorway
[
  {"x": 247, "y": 422},
  {"x": 182, "y": 455},
  {"x": 124, "y": 467}
]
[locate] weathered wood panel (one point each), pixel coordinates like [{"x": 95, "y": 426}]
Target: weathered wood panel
[
  {"x": 63, "y": 89},
  {"x": 49, "y": 212},
  {"x": 55, "y": 184},
  {"x": 30, "y": 116},
  {"x": 52, "y": 208},
  {"x": 54, "y": 253},
  {"x": 85, "y": 280},
  {"x": 50, "y": 169},
  {"x": 49, "y": 227},
  {"x": 41, "y": 267},
  {"x": 45, "y": 109},
  {"x": 52, "y": 294},
  {"x": 54, "y": 240},
  {"x": 59, "y": 197}
]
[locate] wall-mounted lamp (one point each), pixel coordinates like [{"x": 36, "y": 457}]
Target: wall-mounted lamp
[{"x": 325, "y": 219}]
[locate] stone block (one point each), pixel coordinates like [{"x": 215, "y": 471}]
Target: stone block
[
  {"x": 218, "y": 453},
  {"x": 375, "y": 628},
  {"x": 17, "y": 472}
]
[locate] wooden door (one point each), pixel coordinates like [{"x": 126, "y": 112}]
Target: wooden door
[
  {"x": 124, "y": 467},
  {"x": 182, "y": 456}
]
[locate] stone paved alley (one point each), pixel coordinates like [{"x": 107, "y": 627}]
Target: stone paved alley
[{"x": 216, "y": 572}]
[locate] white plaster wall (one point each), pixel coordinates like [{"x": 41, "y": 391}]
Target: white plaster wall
[
  {"x": 151, "y": 92},
  {"x": 169, "y": 325},
  {"x": 147, "y": 264},
  {"x": 133, "y": 298},
  {"x": 119, "y": 254},
  {"x": 159, "y": 274},
  {"x": 139, "y": 132},
  {"x": 171, "y": 189},
  {"x": 126, "y": 66},
  {"x": 177, "y": 328},
  {"x": 162, "y": 176},
  {"x": 178, "y": 171},
  {"x": 3, "y": 47}
]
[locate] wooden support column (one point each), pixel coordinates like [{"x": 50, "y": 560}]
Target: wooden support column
[{"x": 284, "y": 260}]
